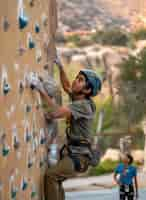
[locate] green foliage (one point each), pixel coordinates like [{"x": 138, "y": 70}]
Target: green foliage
[
  {"x": 104, "y": 167},
  {"x": 107, "y": 106},
  {"x": 107, "y": 114},
  {"x": 74, "y": 39},
  {"x": 132, "y": 87},
  {"x": 79, "y": 40},
  {"x": 111, "y": 37},
  {"x": 140, "y": 34}
]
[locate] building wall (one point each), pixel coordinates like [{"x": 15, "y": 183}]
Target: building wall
[{"x": 22, "y": 127}]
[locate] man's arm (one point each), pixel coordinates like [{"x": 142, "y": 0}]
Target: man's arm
[
  {"x": 48, "y": 99},
  {"x": 136, "y": 186},
  {"x": 63, "y": 77},
  {"x": 60, "y": 111},
  {"x": 115, "y": 179}
]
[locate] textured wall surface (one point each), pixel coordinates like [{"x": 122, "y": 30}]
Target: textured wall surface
[{"x": 27, "y": 30}]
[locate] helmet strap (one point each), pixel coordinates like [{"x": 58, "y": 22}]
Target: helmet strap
[{"x": 82, "y": 92}]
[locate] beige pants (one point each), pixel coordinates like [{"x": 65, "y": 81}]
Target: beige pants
[{"x": 53, "y": 188}]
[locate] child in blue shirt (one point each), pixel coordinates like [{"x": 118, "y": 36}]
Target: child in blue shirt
[{"x": 125, "y": 175}]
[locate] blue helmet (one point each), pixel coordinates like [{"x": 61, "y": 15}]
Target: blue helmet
[{"x": 93, "y": 80}]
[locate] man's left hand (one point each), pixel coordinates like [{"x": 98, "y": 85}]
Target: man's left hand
[{"x": 35, "y": 83}]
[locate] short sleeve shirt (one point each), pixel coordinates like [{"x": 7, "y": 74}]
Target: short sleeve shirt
[
  {"x": 126, "y": 174},
  {"x": 83, "y": 112}
]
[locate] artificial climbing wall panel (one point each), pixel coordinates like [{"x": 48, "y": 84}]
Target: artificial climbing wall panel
[{"x": 27, "y": 31}]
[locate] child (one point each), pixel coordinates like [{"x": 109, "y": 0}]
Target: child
[
  {"x": 127, "y": 180},
  {"x": 76, "y": 155}
]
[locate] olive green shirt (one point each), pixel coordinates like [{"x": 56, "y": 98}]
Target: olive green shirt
[{"x": 80, "y": 126}]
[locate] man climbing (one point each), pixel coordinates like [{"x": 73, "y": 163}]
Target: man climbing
[{"x": 76, "y": 155}]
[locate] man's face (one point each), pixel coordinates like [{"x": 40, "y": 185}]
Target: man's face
[
  {"x": 125, "y": 159},
  {"x": 79, "y": 83}
]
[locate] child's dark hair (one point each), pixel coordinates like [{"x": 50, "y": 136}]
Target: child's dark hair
[{"x": 130, "y": 158}]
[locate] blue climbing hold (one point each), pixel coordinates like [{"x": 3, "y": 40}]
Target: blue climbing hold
[
  {"x": 31, "y": 44},
  {"x": 14, "y": 193},
  {"x": 6, "y": 88},
  {"x": 5, "y": 151},
  {"x": 37, "y": 28},
  {"x": 23, "y": 21},
  {"x": 24, "y": 185}
]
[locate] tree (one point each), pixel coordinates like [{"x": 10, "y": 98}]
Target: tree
[
  {"x": 132, "y": 89},
  {"x": 108, "y": 74}
]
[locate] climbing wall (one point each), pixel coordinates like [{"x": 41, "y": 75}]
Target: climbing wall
[{"x": 27, "y": 31}]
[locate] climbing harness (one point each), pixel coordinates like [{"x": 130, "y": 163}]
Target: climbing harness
[{"x": 80, "y": 151}]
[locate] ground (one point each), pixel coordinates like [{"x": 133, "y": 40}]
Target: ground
[
  {"x": 102, "y": 194},
  {"x": 99, "y": 188}
]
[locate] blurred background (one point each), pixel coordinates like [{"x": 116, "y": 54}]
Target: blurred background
[{"x": 109, "y": 37}]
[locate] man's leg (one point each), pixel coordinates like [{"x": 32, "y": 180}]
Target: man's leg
[
  {"x": 130, "y": 197},
  {"x": 54, "y": 176},
  {"x": 131, "y": 193},
  {"x": 61, "y": 192},
  {"x": 122, "y": 195}
]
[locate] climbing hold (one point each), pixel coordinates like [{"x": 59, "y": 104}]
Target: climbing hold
[
  {"x": 35, "y": 144},
  {"x": 21, "y": 49},
  {"x": 22, "y": 17},
  {"x": 5, "y": 150},
  {"x": 30, "y": 161},
  {"x": 41, "y": 163},
  {"x": 16, "y": 143},
  {"x": 33, "y": 192},
  {"x": 5, "y": 85},
  {"x": 6, "y": 24},
  {"x": 13, "y": 188},
  {"x": 31, "y": 3},
  {"x": 28, "y": 108},
  {"x": 46, "y": 66},
  {"x": 2, "y": 137},
  {"x": 28, "y": 136},
  {"x": 30, "y": 164},
  {"x": 37, "y": 28},
  {"x": 21, "y": 87},
  {"x": 30, "y": 42},
  {"x": 43, "y": 160},
  {"x": 1, "y": 185},
  {"x": 24, "y": 184},
  {"x": 44, "y": 19},
  {"x": 14, "y": 191},
  {"x": 38, "y": 55},
  {"x": 42, "y": 136},
  {"x": 33, "y": 80},
  {"x": 23, "y": 21}
]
